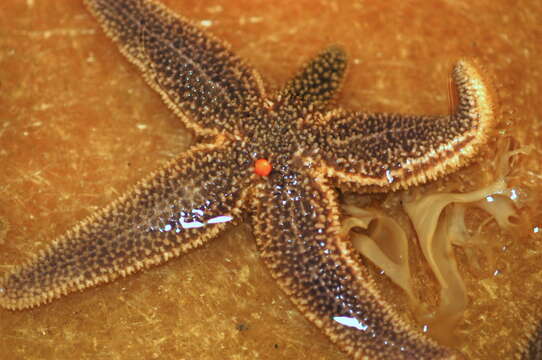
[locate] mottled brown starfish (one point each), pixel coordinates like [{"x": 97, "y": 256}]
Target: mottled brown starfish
[{"x": 305, "y": 150}]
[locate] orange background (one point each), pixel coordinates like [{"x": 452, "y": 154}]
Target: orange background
[{"x": 78, "y": 126}]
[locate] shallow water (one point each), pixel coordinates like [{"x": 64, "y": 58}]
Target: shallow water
[{"x": 78, "y": 126}]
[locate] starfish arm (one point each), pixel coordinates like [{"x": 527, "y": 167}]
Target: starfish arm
[
  {"x": 297, "y": 229},
  {"x": 197, "y": 75},
  {"x": 386, "y": 151},
  {"x": 319, "y": 81},
  {"x": 176, "y": 209},
  {"x": 531, "y": 347}
]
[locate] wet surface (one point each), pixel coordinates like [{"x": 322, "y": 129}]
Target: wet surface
[{"x": 78, "y": 126}]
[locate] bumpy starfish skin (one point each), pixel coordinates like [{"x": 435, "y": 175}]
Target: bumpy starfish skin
[
  {"x": 294, "y": 210},
  {"x": 532, "y": 346}
]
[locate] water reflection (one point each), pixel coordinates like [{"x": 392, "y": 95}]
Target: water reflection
[{"x": 350, "y": 322}]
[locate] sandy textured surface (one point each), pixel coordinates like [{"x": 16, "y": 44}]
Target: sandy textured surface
[{"x": 78, "y": 126}]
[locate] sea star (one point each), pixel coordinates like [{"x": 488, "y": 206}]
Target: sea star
[{"x": 302, "y": 149}]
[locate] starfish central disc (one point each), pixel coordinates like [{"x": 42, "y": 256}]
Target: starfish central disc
[{"x": 262, "y": 167}]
